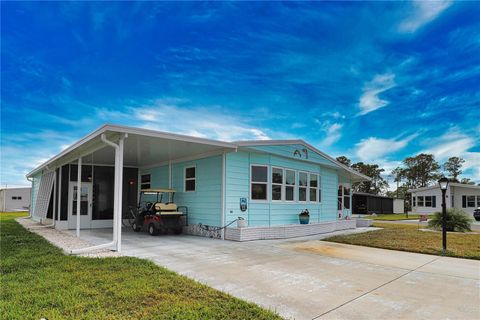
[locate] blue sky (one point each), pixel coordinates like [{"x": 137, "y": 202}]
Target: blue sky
[{"x": 376, "y": 81}]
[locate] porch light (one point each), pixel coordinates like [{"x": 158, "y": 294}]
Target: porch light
[{"x": 443, "y": 182}]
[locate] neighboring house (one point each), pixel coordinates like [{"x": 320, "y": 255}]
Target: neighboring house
[
  {"x": 277, "y": 179},
  {"x": 15, "y": 199},
  {"x": 428, "y": 200}
]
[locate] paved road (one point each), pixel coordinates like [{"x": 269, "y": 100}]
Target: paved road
[{"x": 311, "y": 279}]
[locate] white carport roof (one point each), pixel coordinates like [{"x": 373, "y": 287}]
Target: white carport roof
[{"x": 143, "y": 148}]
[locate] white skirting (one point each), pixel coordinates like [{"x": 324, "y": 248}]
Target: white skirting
[{"x": 287, "y": 231}]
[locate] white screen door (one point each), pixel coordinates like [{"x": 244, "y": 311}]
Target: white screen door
[{"x": 85, "y": 205}]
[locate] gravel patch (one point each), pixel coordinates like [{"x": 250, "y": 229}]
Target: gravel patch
[{"x": 64, "y": 240}]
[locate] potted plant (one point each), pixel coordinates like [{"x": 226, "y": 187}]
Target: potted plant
[{"x": 304, "y": 217}]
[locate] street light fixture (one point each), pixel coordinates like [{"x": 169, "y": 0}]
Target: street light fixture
[{"x": 443, "y": 182}]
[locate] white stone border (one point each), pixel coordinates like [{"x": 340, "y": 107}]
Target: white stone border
[{"x": 287, "y": 231}]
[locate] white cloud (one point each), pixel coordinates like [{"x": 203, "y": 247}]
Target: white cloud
[
  {"x": 209, "y": 122},
  {"x": 370, "y": 100},
  {"x": 423, "y": 13},
  {"x": 457, "y": 144},
  {"x": 374, "y": 148}
]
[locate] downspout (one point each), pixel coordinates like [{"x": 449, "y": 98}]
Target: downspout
[
  {"x": 222, "y": 216},
  {"x": 117, "y": 205},
  {"x": 79, "y": 193}
]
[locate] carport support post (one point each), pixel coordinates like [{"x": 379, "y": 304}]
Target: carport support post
[
  {"x": 119, "y": 168},
  {"x": 79, "y": 192}
]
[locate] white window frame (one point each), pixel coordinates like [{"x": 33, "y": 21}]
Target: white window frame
[
  {"x": 422, "y": 202},
  {"x": 256, "y": 182},
  {"x": 431, "y": 201},
  {"x": 316, "y": 188},
  {"x": 474, "y": 201},
  {"x": 282, "y": 185},
  {"x": 149, "y": 181},
  {"x": 185, "y": 179},
  {"x": 305, "y": 187},
  {"x": 294, "y": 185}
]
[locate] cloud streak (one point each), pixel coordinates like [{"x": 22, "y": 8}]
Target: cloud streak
[
  {"x": 370, "y": 99},
  {"x": 422, "y": 13}
]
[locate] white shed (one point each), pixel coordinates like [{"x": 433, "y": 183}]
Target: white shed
[
  {"x": 398, "y": 206},
  {"x": 15, "y": 199}
]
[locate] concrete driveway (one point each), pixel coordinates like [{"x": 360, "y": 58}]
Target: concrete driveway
[{"x": 310, "y": 279}]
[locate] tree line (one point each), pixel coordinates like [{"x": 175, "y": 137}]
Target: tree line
[{"x": 419, "y": 171}]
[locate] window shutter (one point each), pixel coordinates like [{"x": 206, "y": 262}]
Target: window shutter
[
  {"x": 434, "y": 201},
  {"x": 464, "y": 201}
]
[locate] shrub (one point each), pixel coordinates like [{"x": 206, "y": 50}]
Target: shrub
[{"x": 457, "y": 220}]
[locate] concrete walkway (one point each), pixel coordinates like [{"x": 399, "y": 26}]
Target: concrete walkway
[{"x": 311, "y": 279}]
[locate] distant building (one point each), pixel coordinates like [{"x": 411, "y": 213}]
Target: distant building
[
  {"x": 366, "y": 203},
  {"x": 15, "y": 199},
  {"x": 428, "y": 200}
]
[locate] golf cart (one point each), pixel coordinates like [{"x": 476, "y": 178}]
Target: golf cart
[{"x": 160, "y": 216}]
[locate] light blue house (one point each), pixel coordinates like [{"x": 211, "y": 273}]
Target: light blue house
[{"x": 274, "y": 180}]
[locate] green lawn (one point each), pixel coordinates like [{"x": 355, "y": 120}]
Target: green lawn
[
  {"x": 38, "y": 281},
  {"x": 408, "y": 238},
  {"x": 392, "y": 217}
]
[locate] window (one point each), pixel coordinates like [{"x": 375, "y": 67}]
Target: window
[
  {"x": 420, "y": 201},
  {"x": 346, "y": 198},
  {"x": 340, "y": 198},
  {"x": 428, "y": 201},
  {"x": 16, "y": 198},
  {"x": 313, "y": 187},
  {"x": 302, "y": 186},
  {"x": 290, "y": 176},
  {"x": 277, "y": 183},
  {"x": 190, "y": 179},
  {"x": 259, "y": 182},
  {"x": 470, "y": 201},
  {"x": 145, "y": 181},
  {"x": 414, "y": 202},
  {"x": 434, "y": 201},
  {"x": 478, "y": 201}
]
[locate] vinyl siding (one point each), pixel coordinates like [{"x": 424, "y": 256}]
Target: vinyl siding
[
  {"x": 269, "y": 213},
  {"x": 204, "y": 205}
]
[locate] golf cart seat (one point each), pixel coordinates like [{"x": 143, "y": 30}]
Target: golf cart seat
[{"x": 166, "y": 209}]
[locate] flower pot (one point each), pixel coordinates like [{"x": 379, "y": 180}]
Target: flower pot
[{"x": 304, "y": 219}]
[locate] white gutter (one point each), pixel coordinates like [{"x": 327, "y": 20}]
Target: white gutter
[{"x": 117, "y": 204}]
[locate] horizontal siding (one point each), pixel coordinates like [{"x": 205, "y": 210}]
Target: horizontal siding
[
  {"x": 158, "y": 179},
  {"x": 276, "y": 213},
  {"x": 204, "y": 205}
]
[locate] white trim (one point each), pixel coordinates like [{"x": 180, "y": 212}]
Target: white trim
[
  {"x": 266, "y": 183},
  {"x": 294, "y": 186},
  {"x": 185, "y": 178},
  {"x": 282, "y": 190},
  {"x": 451, "y": 184},
  {"x": 307, "y": 196}
]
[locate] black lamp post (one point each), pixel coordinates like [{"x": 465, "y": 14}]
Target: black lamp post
[{"x": 443, "y": 182}]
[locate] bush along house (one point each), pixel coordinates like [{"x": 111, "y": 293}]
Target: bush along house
[{"x": 266, "y": 184}]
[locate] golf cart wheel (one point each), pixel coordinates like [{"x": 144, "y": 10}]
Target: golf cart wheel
[
  {"x": 135, "y": 227},
  {"x": 152, "y": 230}
]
